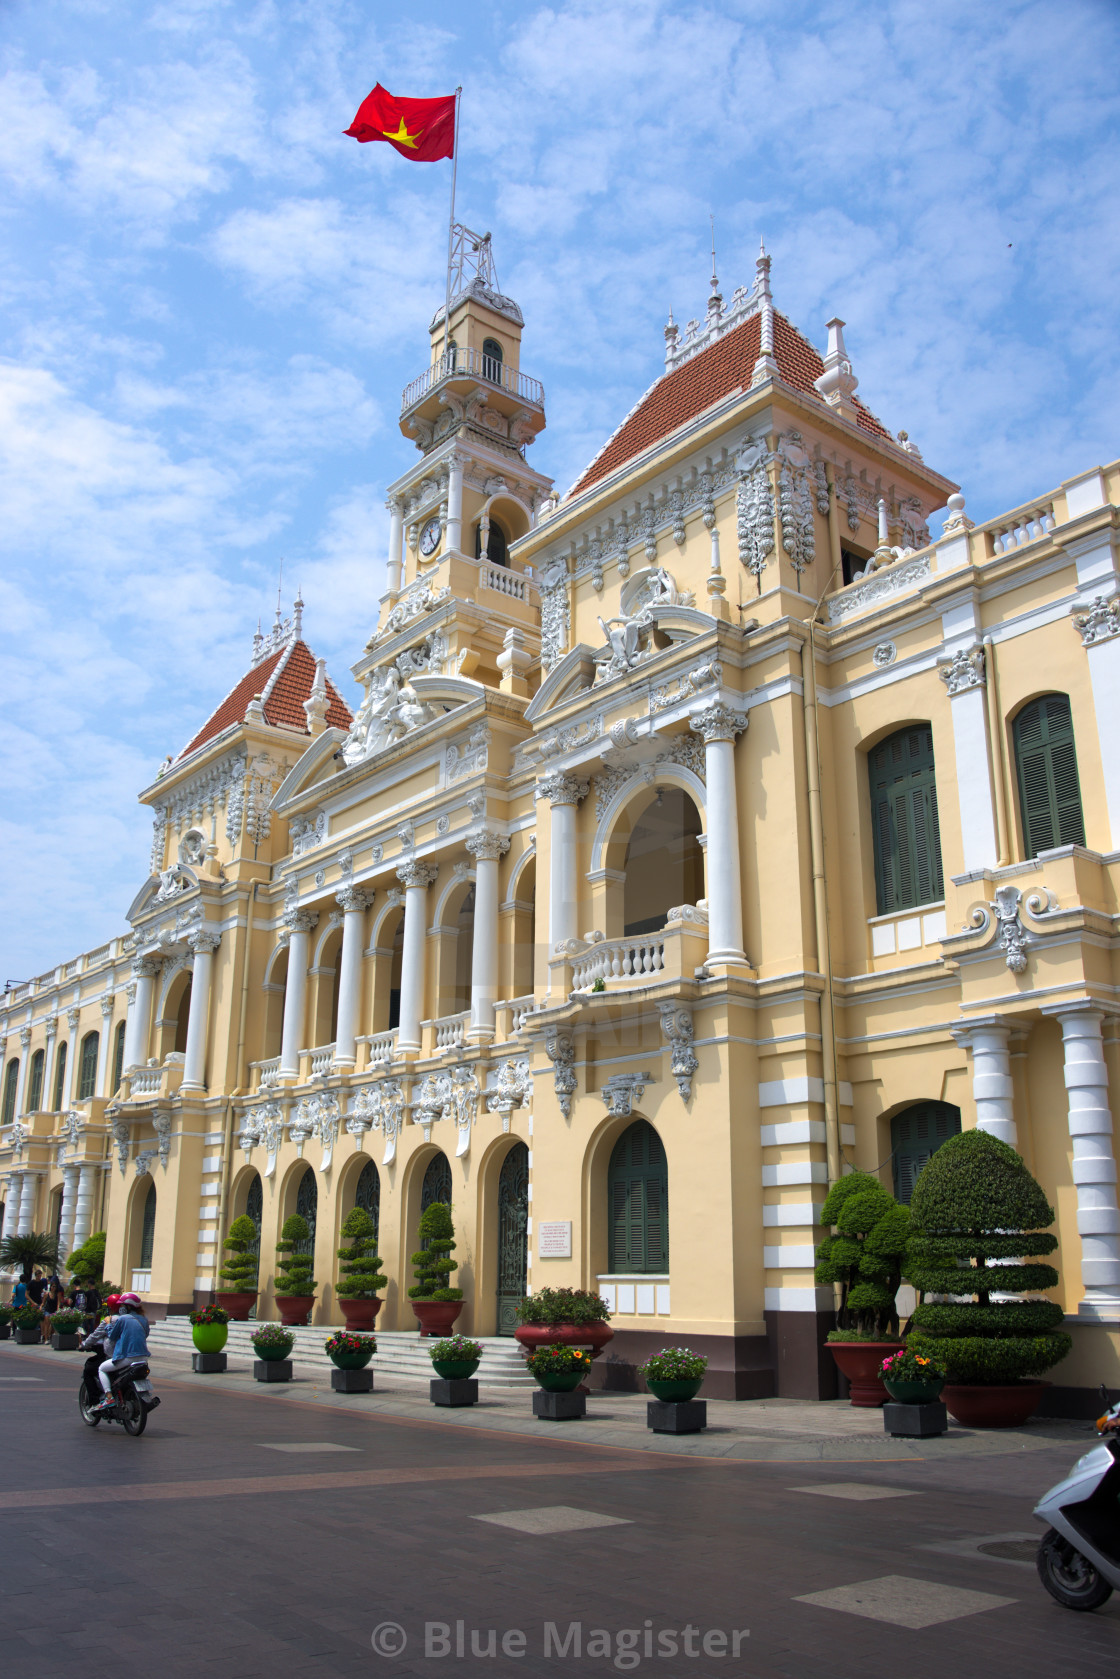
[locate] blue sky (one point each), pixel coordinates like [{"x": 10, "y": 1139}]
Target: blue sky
[{"x": 211, "y": 301}]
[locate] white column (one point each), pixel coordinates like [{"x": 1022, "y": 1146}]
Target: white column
[
  {"x": 454, "y": 503},
  {"x": 965, "y": 675},
  {"x": 992, "y": 1089},
  {"x": 73, "y": 1056},
  {"x": 69, "y": 1209},
  {"x": 353, "y": 901},
  {"x": 563, "y": 793},
  {"x": 486, "y": 849},
  {"x": 396, "y": 532},
  {"x": 104, "y": 1048},
  {"x": 24, "y": 1063},
  {"x": 11, "y": 1203},
  {"x": 203, "y": 942},
  {"x": 144, "y": 971},
  {"x": 83, "y": 1207},
  {"x": 1094, "y": 1164},
  {"x": 26, "y": 1218},
  {"x": 300, "y": 921},
  {"x": 719, "y": 725},
  {"x": 415, "y": 878}
]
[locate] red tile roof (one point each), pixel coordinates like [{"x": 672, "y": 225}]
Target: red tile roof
[
  {"x": 713, "y": 374},
  {"x": 284, "y": 705}
]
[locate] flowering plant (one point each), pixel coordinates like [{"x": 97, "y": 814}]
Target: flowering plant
[
  {"x": 345, "y": 1341},
  {"x": 674, "y": 1364},
  {"x": 906, "y": 1366},
  {"x": 553, "y": 1361},
  {"x": 563, "y": 1305},
  {"x": 210, "y": 1314},
  {"x": 5, "y": 1315},
  {"x": 66, "y": 1322},
  {"x": 273, "y": 1335},
  {"x": 455, "y": 1347},
  {"x": 27, "y": 1317}
]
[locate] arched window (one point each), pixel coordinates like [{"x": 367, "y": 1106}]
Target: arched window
[
  {"x": 904, "y": 826},
  {"x": 118, "y": 1055},
  {"x": 492, "y": 360},
  {"x": 254, "y": 1209},
  {"x": 664, "y": 862},
  {"x": 367, "y": 1192},
  {"x": 1046, "y": 765},
  {"x": 513, "y": 1246},
  {"x": 437, "y": 1182},
  {"x": 307, "y": 1206},
  {"x": 35, "y": 1082},
  {"x": 87, "y": 1066},
  {"x": 497, "y": 548},
  {"x": 638, "y": 1202},
  {"x": 11, "y": 1080},
  {"x": 182, "y": 1019},
  {"x": 148, "y": 1230},
  {"x": 916, "y": 1133},
  {"x": 59, "y": 1078}
]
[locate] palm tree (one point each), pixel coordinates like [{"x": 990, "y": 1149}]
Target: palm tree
[{"x": 36, "y": 1248}]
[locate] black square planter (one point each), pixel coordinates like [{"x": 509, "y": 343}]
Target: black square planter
[
  {"x": 351, "y": 1381},
  {"x": 914, "y": 1422},
  {"x": 28, "y": 1337},
  {"x": 679, "y": 1416},
  {"x": 559, "y": 1407},
  {"x": 272, "y": 1369},
  {"x": 464, "y": 1391},
  {"x": 5, "y": 1331},
  {"x": 208, "y": 1364},
  {"x": 65, "y": 1343}
]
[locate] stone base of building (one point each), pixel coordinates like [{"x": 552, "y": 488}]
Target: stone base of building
[
  {"x": 739, "y": 1367},
  {"x": 1075, "y": 1402},
  {"x": 803, "y": 1366}
]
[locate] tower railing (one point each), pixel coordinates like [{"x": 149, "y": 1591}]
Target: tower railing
[{"x": 472, "y": 364}]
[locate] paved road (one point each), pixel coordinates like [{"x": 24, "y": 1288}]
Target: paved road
[{"x": 264, "y": 1530}]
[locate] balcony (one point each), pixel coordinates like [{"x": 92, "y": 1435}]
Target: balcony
[
  {"x": 382, "y": 1048},
  {"x": 153, "y": 1082},
  {"x": 268, "y": 1073},
  {"x": 510, "y": 1015},
  {"x": 472, "y": 365},
  {"x": 645, "y": 959},
  {"x": 321, "y": 1059}
]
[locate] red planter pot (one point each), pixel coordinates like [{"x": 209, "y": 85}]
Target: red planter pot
[
  {"x": 993, "y": 1407},
  {"x": 238, "y": 1304},
  {"x": 860, "y": 1361},
  {"x": 294, "y": 1309},
  {"x": 359, "y": 1314},
  {"x": 436, "y": 1316},
  {"x": 592, "y": 1335}
]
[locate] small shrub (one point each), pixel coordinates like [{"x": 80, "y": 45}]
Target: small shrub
[
  {"x": 209, "y": 1314},
  {"x": 454, "y": 1348},
  {"x": 294, "y": 1272},
  {"x": 563, "y": 1305},
  {"x": 239, "y": 1272},
  {"x": 674, "y": 1364},
  {"x": 553, "y": 1361},
  {"x": 273, "y": 1335},
  {"x": 66, "y": 1322},
  {"x": 432, "y": 1262},
  {"x": 87, "y": 1263},
  {"x": 864, "y": 1256},
  {"x": 361, "y": 1268},
  {"x": 345, "y": 1341}
]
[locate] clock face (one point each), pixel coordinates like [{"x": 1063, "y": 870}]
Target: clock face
[{"x": 429, "y": 537}]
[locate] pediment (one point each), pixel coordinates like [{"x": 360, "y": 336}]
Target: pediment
[
  {"x": 574, "y": 673},
  {"x": 168, "y": 886}
]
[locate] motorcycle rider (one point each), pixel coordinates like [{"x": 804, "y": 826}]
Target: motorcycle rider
[
  {"x": 95, "y": 1343},
  {"x": 126, "y": 1337}
]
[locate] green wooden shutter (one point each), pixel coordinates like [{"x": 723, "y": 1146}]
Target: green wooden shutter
[
  {"x": 118, "y": 1056},
  {"x": 87, "y": 1066},
  {"x": 1046, "y": 765},
  {"x": 11, "y": 1079},
  {"x": 35, "y": 1091},
  {"x": 905, "y": 830},
  {"x": 638, "y": 1202},
  {"x": 59, "y": 1077},
  {"x": 916, "y": 1134}
]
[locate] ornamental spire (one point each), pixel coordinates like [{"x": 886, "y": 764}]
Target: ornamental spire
[{"x": 765, "y": 368}]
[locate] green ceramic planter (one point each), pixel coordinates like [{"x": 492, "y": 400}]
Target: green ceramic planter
[
  {"x": 676, "y": 1391},
  {"x": 914, "y": 1393},
  {"x": 270, "y": 1353},
  {"x": 564, "y": 1381},
  {"x": 455, "y": 1369},
  {"x": 351, "y": 1361},
  {"x": 209, "y": 1337}
]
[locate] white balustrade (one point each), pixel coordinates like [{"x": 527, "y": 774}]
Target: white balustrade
[
  {"x": 638, "y": 958},
  {"x": 470, "y": 363},
  {"x": 1026, "y": 524},
  {"x": 513, "y": 584},
  {"x": 515, "y": 1009},
  {"x": 450, "y": 1030},
  {"x": 322, "y": 1060},
  {"x": 268, "y": 1072},
  {"x": 382, "y": 1048},
  {"x": 146, "y": 1081}
]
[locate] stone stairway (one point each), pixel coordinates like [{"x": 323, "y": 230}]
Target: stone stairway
[{"x": 400, "y": 1355}]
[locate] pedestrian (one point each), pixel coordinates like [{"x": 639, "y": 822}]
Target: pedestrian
[
  {"x": 37, "y": 1287},
  {"x": 51, "y": 1303},
  {"x": 19, "y": 1295}
]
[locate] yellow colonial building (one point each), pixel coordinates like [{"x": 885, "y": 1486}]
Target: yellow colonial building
[{"x": 691, "y": 838}]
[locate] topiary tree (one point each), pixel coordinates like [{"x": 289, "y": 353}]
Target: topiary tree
[
  {"x": 294, "y": 1272},
  {"x": 864, "y": 1256},
  {"x": 239, "y": 1273},
  {"x": 361, "y": 1268},
  {"x": 87, "y": 1263},
  {"x": 27, "y": 1251},
  {"x": 432, "y": 1262},
  {"x": 975, "y": 1207}
]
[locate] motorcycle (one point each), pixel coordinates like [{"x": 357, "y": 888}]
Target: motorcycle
[
  {"x": 1079, "y": 1554},
  {"x": 130, "y": 1390}
]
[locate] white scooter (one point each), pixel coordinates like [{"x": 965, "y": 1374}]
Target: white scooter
[{"x": 1079, "y": 1554}]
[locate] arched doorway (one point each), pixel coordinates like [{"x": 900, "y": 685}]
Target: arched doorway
[
  {"x": 148, "y": 1232},
  {"x": 437, "y": 1182},
  {"x": 638, "y": 1203},
  {"x": 513, "y": 1224},
  {"x": 367, "y": 1192},
  {"x": 307, "y": 1206},
  {"x": 664, "y": 862},
  {"x": 182, "y": 1019},
  {"x": 916, "y": 1134}
]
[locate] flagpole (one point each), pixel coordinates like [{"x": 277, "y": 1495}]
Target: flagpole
[{"x": 451, "y": 223}]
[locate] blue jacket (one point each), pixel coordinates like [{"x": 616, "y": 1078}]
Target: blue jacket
[
  {"x": 127, "y": 1337},
  {"x": 19, "y": 1294}
]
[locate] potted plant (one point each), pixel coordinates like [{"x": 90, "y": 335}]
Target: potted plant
[
  {"x": 210, "y": 1328},
  {"x": 564, "y": 1317},
  {"x": 912, "y": 1378},
  {"x": 27, "y": 1324},
  {"x": 456, "y": 1358},
  {"x": 864, "y": 1256},
  {"x": 674, "y": 1374},
  {"x": 5, "y": 1323},
  {"x": 559, "y": 1369},
  {"x": 23, "y": 1253},
  {"x": 64, "y": 1331},
  {"x": 348, "y": 1351},
  {"x": 86, "y": 1264},
  {"x": 978, "y": 1215},
  {"x": 436, "y": 1304},
  {"x": 240, "y": 1270},
  {"x": 271, "y": 1341},
  {"x": 295, "y": 1285},
  {"x": 361, "y": 1271}
]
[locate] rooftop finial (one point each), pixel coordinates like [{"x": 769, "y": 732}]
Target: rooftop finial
[
  {"x": 715, "y": 281},
  {"x": 279, "y": 590},
  {"x": 672, "y": 333},
  {"x": 765, "y": 368},
  {"x": 297, "y": 615},
  {"x": 837, "y": 383},
  {"x": 715, "y": 301}
]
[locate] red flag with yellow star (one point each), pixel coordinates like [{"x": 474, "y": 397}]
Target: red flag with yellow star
[{"x": 420, "y": 129}]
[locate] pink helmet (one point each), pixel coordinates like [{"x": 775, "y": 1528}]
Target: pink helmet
[{"x": 133, "y": 1301}]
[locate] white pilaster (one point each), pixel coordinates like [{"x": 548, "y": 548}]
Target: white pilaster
[
  {"x": 415, "y": 878},
  {"x": 300, "y": 921},
  {"x": 992, "y": 1089},
  {"x": 104, "y": 1048},
  {"x": 454, "y": 503},
  {"x": 1097, "y": 621},
  {"x": 24, "y": 1063},
  {"x": 69, "y": 1210},
  {"x": 203, "y": 942},
  {"x": 1094, "y": 1163},
  {"x": 144, "y": 971},
  {"x": 564, "y": 793},
  {"x": 83, "y": 1207},
  {"x": 74, "y": 1056},
  {"x": 396, "y": 530},
  {"x": 718, "y": 725},
  {"x": 353, "y": 902},
  {"x": 965, "y": 676},
  {"x": 486, "y": 849}
]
